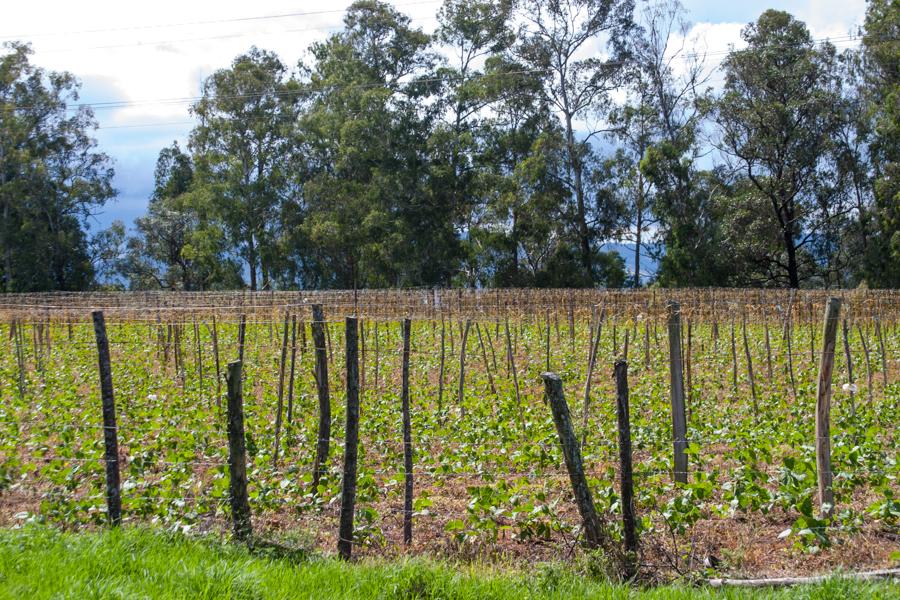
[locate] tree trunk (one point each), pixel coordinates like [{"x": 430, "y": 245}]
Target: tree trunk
[
  {"x": 793, "y": 271},
  {"x": 583, "y": 232},
  {"x": 637, "y": 239},
  {"x": 251, "y": 261}
]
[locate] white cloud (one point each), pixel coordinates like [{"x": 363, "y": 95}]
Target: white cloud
[
  {"x": 155, "y": 50},
  {"x": 139, "y": 52}
]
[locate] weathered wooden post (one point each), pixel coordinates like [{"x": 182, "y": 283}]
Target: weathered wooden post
[
  {"x": 242, "y": 335},
  {"x": 593, "y": 530},
  {"x": 625, "y": 469},
  {"x": 440, "y": 398},
  {"x": 323, "y": 435},
  {"x": 823, "y": 407},
  {"x": 351, "y": 444},
  {"x": 407, "y": 439},
  {"x": 679, "y": 422},
  {"x": 237, "y": 456},
  {"x": 110, "y": 431}
]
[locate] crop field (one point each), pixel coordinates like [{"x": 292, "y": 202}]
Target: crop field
[{"x": 488, "y": 471}]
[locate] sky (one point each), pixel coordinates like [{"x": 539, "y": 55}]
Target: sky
[{"x": 153, "y": 56}]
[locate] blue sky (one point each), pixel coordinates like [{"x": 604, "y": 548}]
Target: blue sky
[{"x": 142, "y": 52}]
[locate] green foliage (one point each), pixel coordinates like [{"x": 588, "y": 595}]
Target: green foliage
[
  {"x": 51, "y": 178},
  {"x": 42, "y": 563}
]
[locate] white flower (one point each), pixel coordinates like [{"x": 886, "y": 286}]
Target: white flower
[
  {"x": 850, "y": 387},
  {"x": 152, "y": 397}
]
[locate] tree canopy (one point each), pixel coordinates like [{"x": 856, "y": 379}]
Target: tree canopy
[{"x": 521, "y": 143}]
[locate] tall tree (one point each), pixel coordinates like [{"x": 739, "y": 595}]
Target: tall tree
[
  {"x": 473, "y": 33},
  {"x": 242, "y": 148},
  {"x": 777, "y": 118},
  {"x": 557, "y": 37},
  {"x": 659, "y": 127},
  {"x": 368, "y": 216},
  {"x": 52, "y": 179},
  {"x": 881, "y": 92},
  {"x": 180, "y": 244}
]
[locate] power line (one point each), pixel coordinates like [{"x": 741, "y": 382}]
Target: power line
[
  {"x": 202, "y": 39},
  {"x": 165, "y": 124},
  {"x": 203, "y": 22},
  {"x": 310, "y": 90}
]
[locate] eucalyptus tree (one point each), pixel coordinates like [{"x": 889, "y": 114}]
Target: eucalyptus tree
[
  {"x": 369, "y": 218},
  {"x": 472, "y": 33},
  {"x": 559, "y": 46},
  {"x": 660, "y": 127},
  {"x": 181, "y": 243},
  {"x": 52, "y": 178},
  {"x": 243, "y": 148},
  {"x": 778, "y": 120},
  {"x": 880, "y": 89}
]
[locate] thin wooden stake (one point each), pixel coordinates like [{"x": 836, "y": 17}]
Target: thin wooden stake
[
  {"x": 749, "y": 366},
  {"x": 351, "y": 442},
  {"x": 515, "y": 376},
  {"x": 462, "y": 368},
  {"x": 592, "y": 359},
  {"x": 487, "y": 365},
  {"x": 823, "y": 407},
  {"x": 862, "y": 339},
  {"x": 290, "y": 400},
  {"x": 110, "y": 431},
  {"x": 282, "y": 366}
]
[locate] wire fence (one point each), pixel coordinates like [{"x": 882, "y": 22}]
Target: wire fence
[{"x": 487, "y": 457}]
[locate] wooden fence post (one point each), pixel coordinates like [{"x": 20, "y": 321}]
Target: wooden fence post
[
  {"x": 440, "y": 398},
  {"x": 592, "y": 360},
  {"x": 110, "y": 432},
  {"x": 407, "y": 439},
  {"x": 351, "y": 444},
  {"x": 823, "y": 407},
  {"x": 593, "y": 530},
  {"x": 282, "y": 367},
  {"x": 237, "y": 455},
  {"x": 20, "y": 357},
  {"x": 515, "y": 377},
  {"x": 679, "y": 422},
  {"x": 242, "y": 335},
  {"x": 625, "y": 469},
  {"x": 462, "y": 368},
  {"x": 290, "y": 402},
  {"x": 323, "y": 435},
  {"x": 878, "y": 334}
]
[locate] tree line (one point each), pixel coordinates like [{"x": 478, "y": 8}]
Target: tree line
[{"x": 523, "y": 143}]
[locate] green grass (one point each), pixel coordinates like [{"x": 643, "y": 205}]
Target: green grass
[{"x": 38, "y": 562}]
